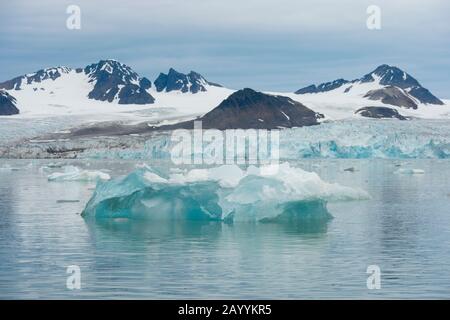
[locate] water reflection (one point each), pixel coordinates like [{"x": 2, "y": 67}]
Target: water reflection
[{"x": 298, "y": 218}]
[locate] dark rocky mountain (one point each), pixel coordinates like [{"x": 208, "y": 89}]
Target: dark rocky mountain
[
  {"x": 176, "y": 81},
  {"x": 7, "y": 104},
  {"x": 393, "y": 76},
  {"x": 393, "y": 96},
  {"x": 114, "y": 80},
  {"x": 327, "y": 86},
  {"x": 380, "y": 113},
  {"x": 390, "y": 76},
  {"x": 384, "y": 75},
  {"x": 249, "y": 109},
  {"x": 36, "y": 77}
]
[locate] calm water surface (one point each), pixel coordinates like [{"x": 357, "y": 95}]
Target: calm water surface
[{"x": 404, "y": 229}]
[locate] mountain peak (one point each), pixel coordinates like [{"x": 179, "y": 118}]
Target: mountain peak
[
  {"x": 391, "y": 76},
  {"x": 384, "y": 75},
  {"x": 176, "y": 81},
  {"x": 112, "y": 67},
  {"x": 114, "y": 80},
  {"x": 247, "y": 108}
]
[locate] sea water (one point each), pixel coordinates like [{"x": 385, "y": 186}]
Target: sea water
[{"x": 404, "y": 229}]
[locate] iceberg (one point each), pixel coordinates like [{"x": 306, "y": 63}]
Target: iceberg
[
  {"x": 72, "y": 173},
  {"x": 225, "y": 193}
]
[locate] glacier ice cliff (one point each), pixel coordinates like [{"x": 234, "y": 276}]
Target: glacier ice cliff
[
  {"x": 225, "y": 193},
  {"x": 359, "y": 139}
]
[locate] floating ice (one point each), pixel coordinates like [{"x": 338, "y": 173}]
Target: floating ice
[
  {"x": 410, "y": 171},
  {"x": 72, "y": 173},
  {"x": 225, "y": 193},
  {"x": 7, "y": 167},
  {"x": 55, "y": 165}
]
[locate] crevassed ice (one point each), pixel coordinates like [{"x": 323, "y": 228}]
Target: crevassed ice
[
  {"x": 388, "y": 139},
  {"x": 223, "y": 193},
  {"x": 357, "y": 138}
]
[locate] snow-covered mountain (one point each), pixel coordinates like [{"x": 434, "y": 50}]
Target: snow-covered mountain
[
  {"x": 64, "y": 90},
  {"x": 382, "y": 77},
  {"x": 386, "y": 86},
  {"x": 175, "y": 81},
  {"x": 111, "y": 87},
  {"x": 109, "y": 81}
]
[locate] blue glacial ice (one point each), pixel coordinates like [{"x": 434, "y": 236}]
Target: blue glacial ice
[
  {"x": 224, "y": 193},
  {"x": 385, "y": 139}
]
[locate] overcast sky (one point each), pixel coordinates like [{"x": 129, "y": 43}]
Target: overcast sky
[{"x": 267, "y": 45}]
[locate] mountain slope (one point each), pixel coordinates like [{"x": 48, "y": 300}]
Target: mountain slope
[
  {"x": 35, "y": 78},
  {"x": 393, "y": 96}
]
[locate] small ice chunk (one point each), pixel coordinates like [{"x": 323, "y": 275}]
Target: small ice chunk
[
  {"x": 410, "y": 171},
  {"x": 72, "y": 173}
]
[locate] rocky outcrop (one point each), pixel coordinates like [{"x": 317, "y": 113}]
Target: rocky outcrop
[
  {"x": 393, "y": 96},
  {"x": 7, "y": 104},
  {"x": 380, "y": 113}
]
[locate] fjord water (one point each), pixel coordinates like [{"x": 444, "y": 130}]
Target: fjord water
[{"x": 404, "y": 229}]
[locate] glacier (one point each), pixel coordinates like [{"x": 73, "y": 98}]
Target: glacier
[
  {"x": 224, "y": 193},
  {"x": 356, "y": 139}
]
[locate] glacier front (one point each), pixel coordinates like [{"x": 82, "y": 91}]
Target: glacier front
[{"x": 357, "y": 139}]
